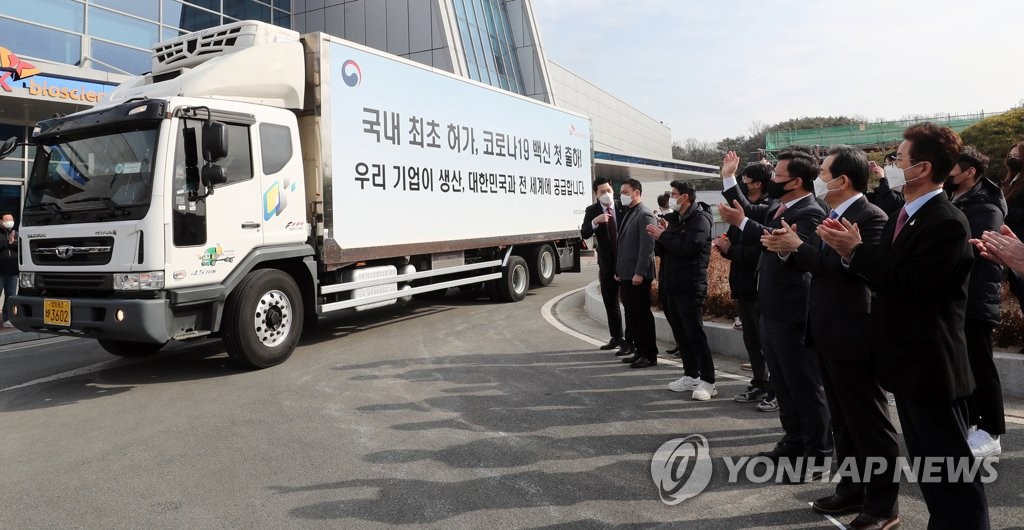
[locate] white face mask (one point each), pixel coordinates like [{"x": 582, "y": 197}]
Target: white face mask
[
  {"x": 821, "y": 188},
  {"x": 896, "y": 176},
  {"x": 673, "y": 204},
  {"x": 605, "y": 199},
  {"x": 626, "y": 200},
  {"x": 8, "y": 224}
]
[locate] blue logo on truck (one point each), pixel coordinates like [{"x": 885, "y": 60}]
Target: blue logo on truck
[{"x": 351, "y": 73}]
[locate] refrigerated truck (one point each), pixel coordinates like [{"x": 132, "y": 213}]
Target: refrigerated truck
[{"x": 257, "y": 179}]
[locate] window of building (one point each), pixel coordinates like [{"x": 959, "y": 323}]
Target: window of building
[
  {"x": 487, "y": 44},
  {"x": 141, "y": 8},
  {"x": 189, "y": 18},
  {"x": 275, "y": 147},
  {"x": 120, "y": 57},
  {"x": 120, "y": 28},
  {"x": 247, "y": 10},
  {"x": 64, "y": 14},
  {"x": 33, "y": 41}
]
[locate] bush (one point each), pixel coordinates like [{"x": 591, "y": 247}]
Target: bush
[{"x": 994, "y": 136}]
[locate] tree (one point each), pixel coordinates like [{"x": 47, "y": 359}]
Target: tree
[
  {"x": 700, "y": 151},
  {"x": 994, "y": 136}
]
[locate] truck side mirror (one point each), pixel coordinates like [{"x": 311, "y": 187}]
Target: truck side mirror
[
  {"x": 213, "y": 175},
  {"x": 215, "y": 141},
  {"x": 8, "y": 146}
]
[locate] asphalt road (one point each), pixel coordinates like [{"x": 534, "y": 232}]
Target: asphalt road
[{"x": 457, "y": 413}]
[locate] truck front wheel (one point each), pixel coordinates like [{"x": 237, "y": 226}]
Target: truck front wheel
[
  {"x": 124, "y": 348},
  {"x": 514, "y": 281},
  {"x": 263, "y": 319}
]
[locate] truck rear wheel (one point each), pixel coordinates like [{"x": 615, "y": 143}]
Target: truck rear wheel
[
  {"x": 124, "y": 348},
  {"x": 542, "y": 264},
  {"x": 514, "y": 281},
  {"x": 263, "y": 319}
]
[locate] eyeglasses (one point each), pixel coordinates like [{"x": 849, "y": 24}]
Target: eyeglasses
[
  {"x": 775, "y": 178},
  {"x": 898, "y": 159}
]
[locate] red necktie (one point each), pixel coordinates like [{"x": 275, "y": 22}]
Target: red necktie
[
  {"x": 901, "y": 221},
  {"x": 613, "y": 232},
  {"x": 780, "y": 211}
]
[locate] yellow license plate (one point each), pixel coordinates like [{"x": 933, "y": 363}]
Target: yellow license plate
[{"x": 57, "y": 312}]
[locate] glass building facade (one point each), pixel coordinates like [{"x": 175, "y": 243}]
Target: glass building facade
[
  {"x": 487, "y": 43},
  {"x": 116, "y": 35}
]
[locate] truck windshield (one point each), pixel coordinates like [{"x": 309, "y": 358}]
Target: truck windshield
[{"x": 91, "y": 178}]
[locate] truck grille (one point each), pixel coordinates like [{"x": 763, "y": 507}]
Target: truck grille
[
  {"x": 72, "y": 251},
  {"x": 60, "y": 281}
]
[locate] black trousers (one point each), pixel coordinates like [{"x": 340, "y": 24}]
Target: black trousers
[
  {"x": 985, "y": 405},
  {"x": 939, "y": 429},
  {"x": 861, "y": 428},
  {"x": 750, "y": 316},
  {"x": 686, "y": 311},
  {"x": 636, "y": 300},
  {"x": 796, "y": 380},
  {"x": 610, "y": 297}
]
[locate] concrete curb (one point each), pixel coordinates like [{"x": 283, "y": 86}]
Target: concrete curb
[
  {"x": 728, "y": 341},
  {"x": 13, "y": 337}
]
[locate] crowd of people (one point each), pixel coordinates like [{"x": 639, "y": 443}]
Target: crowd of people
[{"x": 844, "y": 294}]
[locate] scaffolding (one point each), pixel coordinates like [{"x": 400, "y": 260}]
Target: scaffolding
[{"x": 867, "y": 136}]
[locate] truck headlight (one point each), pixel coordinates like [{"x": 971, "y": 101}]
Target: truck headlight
[
  {"x": 139, "y": 281},
  {"x": 27, "y": 280}
]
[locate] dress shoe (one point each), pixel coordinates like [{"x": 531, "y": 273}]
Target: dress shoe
[
  {"x": 837, "y": 505},
  {"x": 643, "y": 362},
  {"x": 612, "y": 344},
  {"x": 673, "y": 351},
  {"x": 626, "y": 349},
  {"x": 870, "y": 522},
  {"x": 781, "y": 450}
]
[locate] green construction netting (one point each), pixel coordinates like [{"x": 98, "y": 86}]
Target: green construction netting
[{"x": 863, "y": 134}]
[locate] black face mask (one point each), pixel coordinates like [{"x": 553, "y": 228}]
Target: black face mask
[
  {"x": 1014, "y": 164},
  {"x": 776, "y": 190},
  {"x": 949, "y": 186}
]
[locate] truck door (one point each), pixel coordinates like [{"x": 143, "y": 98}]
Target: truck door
[{"x": 211, "y": 235}]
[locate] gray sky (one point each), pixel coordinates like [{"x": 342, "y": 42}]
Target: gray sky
[{"x": 709, "y": 69}]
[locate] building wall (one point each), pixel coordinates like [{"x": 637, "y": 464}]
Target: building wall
[
  {"x": 470, "y": 38},
  {"x": 617, "y": 126}
]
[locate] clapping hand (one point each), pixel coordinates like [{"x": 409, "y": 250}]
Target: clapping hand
[
  {"x": 843, "y": 237},
  {"x": 1003, "y": 247},
  {"x": 733, "y": 215},
  {"x": 782, "y": 240}
]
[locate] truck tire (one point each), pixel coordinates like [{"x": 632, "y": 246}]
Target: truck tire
[
  {"x": 542, "y": 264},
  {"x": 128, "y": 349},
  {"x": 263, "y": 319},
  {"x": 514, "y": 281}
]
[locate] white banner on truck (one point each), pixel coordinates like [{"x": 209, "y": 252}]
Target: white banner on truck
[{"x": 421, "y": 157}]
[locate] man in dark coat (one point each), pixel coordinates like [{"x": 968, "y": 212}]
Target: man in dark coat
[
  {"x": 983, "y": 204},
  {"x": 683, "y": 240}
]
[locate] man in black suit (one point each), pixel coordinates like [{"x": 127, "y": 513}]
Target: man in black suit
[
  {"x": 600, "y": 221},
  {"x": 634, "y": 269},
  {"x": 920, "y": 270},
  {"x": 743, "y": 260},
  {"x": 840, "y": 331},
  {"x": 782, "y": 294}
]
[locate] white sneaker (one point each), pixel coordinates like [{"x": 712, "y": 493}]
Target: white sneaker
[
  {"x": 983, "y": 445},
  {"x": 7, "y": 324},
  {"x": 738, "y": 324},
  {"x": 684, "y": 384},
  {"x": 705, "y": 391}
]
